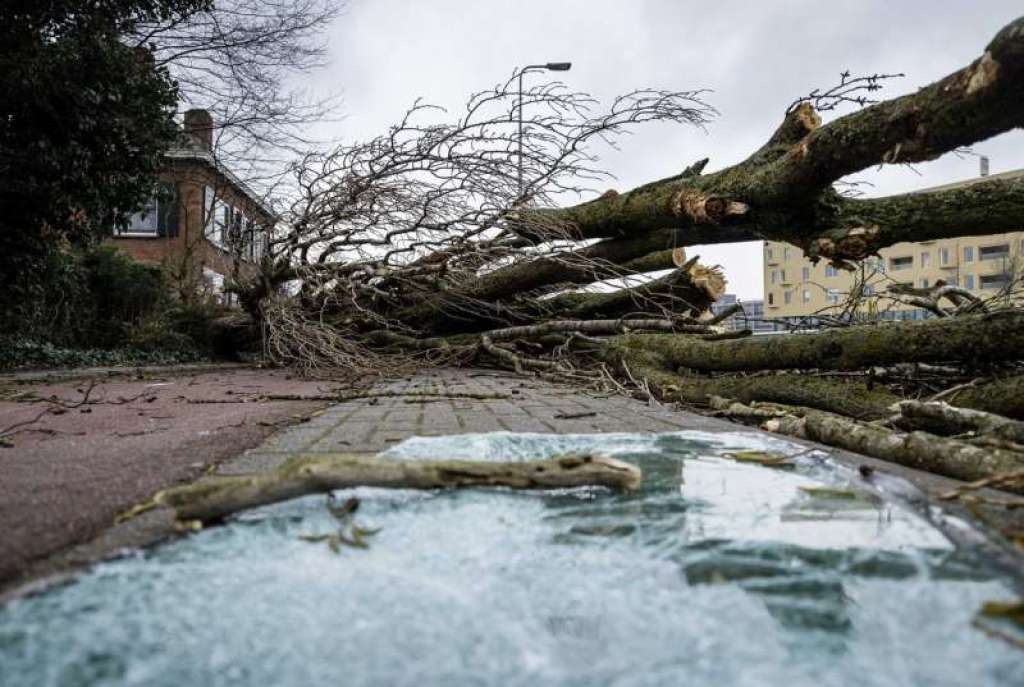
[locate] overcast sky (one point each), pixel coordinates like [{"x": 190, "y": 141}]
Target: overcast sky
[{"x": 756, "y": 57}]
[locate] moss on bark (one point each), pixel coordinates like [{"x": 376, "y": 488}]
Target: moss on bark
[{"x": 970, "y": 339}]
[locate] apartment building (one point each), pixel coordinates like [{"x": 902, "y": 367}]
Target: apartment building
[
  {"x": 203, "y": 222},
  {"x": 795, "y": 289}
]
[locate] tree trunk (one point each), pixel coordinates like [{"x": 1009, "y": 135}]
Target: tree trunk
[
  {"x": 848, "y": 397},
  {"x": 971, "y": 339}
]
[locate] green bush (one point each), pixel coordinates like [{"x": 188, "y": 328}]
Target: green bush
[
  {"x": 124, "y": 294},
  {"x": 99, "y": 307},
  {"x": 16, "y": 353}
]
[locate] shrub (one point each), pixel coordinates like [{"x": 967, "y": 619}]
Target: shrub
[{"x": 98, "y": 307}]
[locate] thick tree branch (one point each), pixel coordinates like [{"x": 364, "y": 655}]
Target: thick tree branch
[
  {"x": 970, "y": 105},
  {"x": 984, "y": 338},
  {"x": 212, "y": 500}
]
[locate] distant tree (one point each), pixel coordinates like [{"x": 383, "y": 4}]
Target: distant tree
[
  {"x": 84, "y": 117},
  {"x": 239, "y": 60}
]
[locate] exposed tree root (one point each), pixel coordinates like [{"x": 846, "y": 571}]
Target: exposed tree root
[{"x": 217, "y": 498}]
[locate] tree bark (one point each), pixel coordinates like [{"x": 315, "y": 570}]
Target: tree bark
[
  {"x": 852, "y": 398},
  {"x": 1003, "y": 396},
  {"x": 945, "y": 419},
  {"x": 919, "y": 450},
  {"x": 985, "y": 338},
  {"x": 217, "y": 498},
  {"x": 689, "y": 290}
]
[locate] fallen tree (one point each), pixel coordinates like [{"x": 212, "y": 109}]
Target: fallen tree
[{"x": 439, "y": 243}]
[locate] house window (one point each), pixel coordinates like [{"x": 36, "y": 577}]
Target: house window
[
  {"x": 807, "y": 296},
  {"x": 788, "y": 297},
  {"x": 968, "y": 253},
  {"x": 785, "y": 253},
  {"x": 994, "y": 252},
  {"x": 209, "y": 210},
  {"x": 926, "y": 258},
  {"x": 868, "y": 290},
  {"x": 771, "y": 299},
  {"x": 807, "y": 274},
  {"x": 768, "y": 252},
  {"x": 924, "y": 282},
  {"x": 831, "y": 271},
  {"x": 783, "y": 276},
  {"x": 833, "y": 296},
  {"x": 943, "y": 256},
  {"x": 145, "y": 221},
  {"x": 969, "y": 281},
  {"x": 902, "y": 263},
  {"x": 995, "y": 281}
]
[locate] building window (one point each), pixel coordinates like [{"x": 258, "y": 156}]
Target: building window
[
  {"x": 144, "y": 221},
  {"x": 783, "y": 276},
  {"x": 807, "y": 296},
  {"x": 924, "y": 282},
  {"x": 768, "y": 252},
  {"x": 775, "y": 276},
  {"x": 995, "y": 281},
  {"x": 868, "y": 290},
  {"x": 209, "y": 210},
  {"x": 788, "y": 297},
  {"x": 968, "y": 253},
  {"x": 943, "y": 256},
  {"x": 994, "y": 252},
  {"x": 969, "y": 282},
  {"x": 833, "y": 296},
  {"x": 771, "y": 299},
  {"x": 785, "y": 253},
  {"x": 807, "y": 274},
  {"x": 926, "y": 259},
  {"x": 902, "y": 263},
  {"x": 831, "y": 271}
]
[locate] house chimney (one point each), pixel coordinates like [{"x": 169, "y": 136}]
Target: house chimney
[
  {"x": 199, "y": 128},
  {"x": 983, "y": 163}
]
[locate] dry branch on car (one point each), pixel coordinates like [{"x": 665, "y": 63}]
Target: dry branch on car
[{"x": 219, "y": 497}]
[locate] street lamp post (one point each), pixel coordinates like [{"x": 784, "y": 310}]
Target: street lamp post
[{"x": 550, "y": 66}]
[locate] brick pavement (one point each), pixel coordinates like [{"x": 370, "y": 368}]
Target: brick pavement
[{"x": 520, "y": 405}]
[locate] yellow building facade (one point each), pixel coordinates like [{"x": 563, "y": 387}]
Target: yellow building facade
[{"x": 984, "y": 265}]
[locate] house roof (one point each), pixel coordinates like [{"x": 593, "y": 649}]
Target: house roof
[
  {"x": 1002, "y": 176},
  {"x": 194, "y": 154}
]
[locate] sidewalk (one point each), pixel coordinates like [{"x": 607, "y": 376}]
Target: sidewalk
[
  {"x": 61, "y": 492},
  {"x": 66, "y": 476}
]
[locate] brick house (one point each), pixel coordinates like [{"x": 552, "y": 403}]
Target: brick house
[{"x": 204, "y": 223}]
